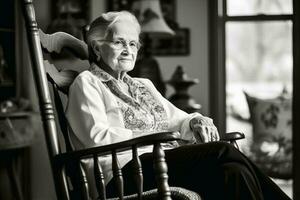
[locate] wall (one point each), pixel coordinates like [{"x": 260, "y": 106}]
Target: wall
[{"x": 191, "y": 14}]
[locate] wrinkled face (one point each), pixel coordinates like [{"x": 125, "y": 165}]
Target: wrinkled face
[{"x": 119, "y": 50}]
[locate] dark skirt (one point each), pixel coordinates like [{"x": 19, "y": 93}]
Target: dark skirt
[{"x": 214, "y": 170}]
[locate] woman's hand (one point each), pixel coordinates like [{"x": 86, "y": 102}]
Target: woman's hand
[{"x": 204, "y": 129}]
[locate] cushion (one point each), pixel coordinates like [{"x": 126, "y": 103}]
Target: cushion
[
  {"x": 272, "y": 133},
  {"x": 177, "y": 193},
  {"x": 271, "y": 118}
]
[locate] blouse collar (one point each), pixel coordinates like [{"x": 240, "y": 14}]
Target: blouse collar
[
  {"x": 104, "y": 76},
  {"x": 111, "y": 82},
  {"x": 100, "y": 73}
]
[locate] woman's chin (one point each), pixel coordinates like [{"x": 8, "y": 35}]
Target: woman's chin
[{"x": 127, "y": 67}]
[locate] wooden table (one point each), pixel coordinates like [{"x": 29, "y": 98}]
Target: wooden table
[{"x": 16, "y": 135}]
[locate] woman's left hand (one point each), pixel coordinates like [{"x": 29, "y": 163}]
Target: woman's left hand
[{"x": 204, "y": 129}]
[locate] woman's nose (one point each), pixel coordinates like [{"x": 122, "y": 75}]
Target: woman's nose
[{"x": 126, "y": 49}]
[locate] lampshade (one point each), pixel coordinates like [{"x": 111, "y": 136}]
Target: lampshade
[{"x": 151, "y": 18}]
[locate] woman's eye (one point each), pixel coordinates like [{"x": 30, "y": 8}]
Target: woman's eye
[
  {"x": 133, "y": 44},
  {"x": 117, "y": 42}
]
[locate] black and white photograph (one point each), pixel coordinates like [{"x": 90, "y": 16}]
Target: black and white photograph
[{"x": 149, "y": 99}]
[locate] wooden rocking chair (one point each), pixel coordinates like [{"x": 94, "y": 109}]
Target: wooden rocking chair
[{"x": 69, "y": 174}]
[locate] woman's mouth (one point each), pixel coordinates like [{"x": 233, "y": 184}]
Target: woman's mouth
[{"x": 125, "y": 59}]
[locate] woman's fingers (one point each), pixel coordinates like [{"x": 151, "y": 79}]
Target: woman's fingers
[
  {"x": 198, "y": 136},
  {"x": 214, "y": 134},
  {"x": 202, "y": 134},
  {"x": 217, "y": 134},
  {"x": 205, "y": 134},
  {"x": 208, "y": 131},
  {"x": 213, "y": 137},
  {"x": 209, "y": 134}
]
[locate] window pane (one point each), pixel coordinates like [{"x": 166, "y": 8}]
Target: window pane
[
  {"x": 253, "y": 7},
  {"x": 259, "y": 62},
  {"x": 259, "y": 51}
]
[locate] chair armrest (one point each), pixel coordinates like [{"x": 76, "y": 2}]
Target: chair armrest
[
  {"x": 120, "y": 146},
  {"x": 231, "y": 136}
]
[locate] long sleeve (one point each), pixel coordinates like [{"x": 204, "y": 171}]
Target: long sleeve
[
  {"x": 87, "y": 114},
  {"x": 178, "y": 120}
]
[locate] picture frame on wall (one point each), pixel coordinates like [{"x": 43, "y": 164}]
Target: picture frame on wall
[
  {"x": 161, "y": 45},
  {"x": 179, "y": 44},
  {"x": 69, "y": 16}
]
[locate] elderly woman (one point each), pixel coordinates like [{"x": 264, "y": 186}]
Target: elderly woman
[{"x": 106, "y": 105}]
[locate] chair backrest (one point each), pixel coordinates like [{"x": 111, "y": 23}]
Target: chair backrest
[{"x": 60, "y": 80}]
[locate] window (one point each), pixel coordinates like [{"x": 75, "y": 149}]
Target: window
[
  {"x": 258, "y": 54},
  {"x": 252, "y": 61}
]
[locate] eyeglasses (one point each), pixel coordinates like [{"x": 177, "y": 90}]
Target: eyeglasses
[{"x": 120, "y": 44}]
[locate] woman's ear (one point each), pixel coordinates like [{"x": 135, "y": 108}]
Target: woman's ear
[{"x": 96, "y": 47}]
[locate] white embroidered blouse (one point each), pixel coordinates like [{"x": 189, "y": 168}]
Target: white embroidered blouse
[{"x": 99, "y": 113}]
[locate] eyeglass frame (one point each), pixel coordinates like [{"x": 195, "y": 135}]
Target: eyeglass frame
[{"x": 124, "y": 44}]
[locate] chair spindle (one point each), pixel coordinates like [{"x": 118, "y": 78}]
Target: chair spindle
[
  {"x": 99, "y": 179},
  {"x": 84, "y": 182},
  {"x": 161, "y": 169},
  {"x": 138, "y": 173},
  {"x": 61, "y": 118},
  {"x": 117, "y": 175},
  {"x": 65, "y": 194}
]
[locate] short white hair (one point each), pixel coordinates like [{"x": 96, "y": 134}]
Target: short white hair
[{"x": 101, "y": 26}]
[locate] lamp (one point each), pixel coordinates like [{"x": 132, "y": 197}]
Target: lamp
[{"x": 151, "y": 19}]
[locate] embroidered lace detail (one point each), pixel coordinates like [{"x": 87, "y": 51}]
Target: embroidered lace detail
[
  {"x": 101, "y": 74},
  {"x": 148, "y": 115},
  {"x": 141, "y": 112}
]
